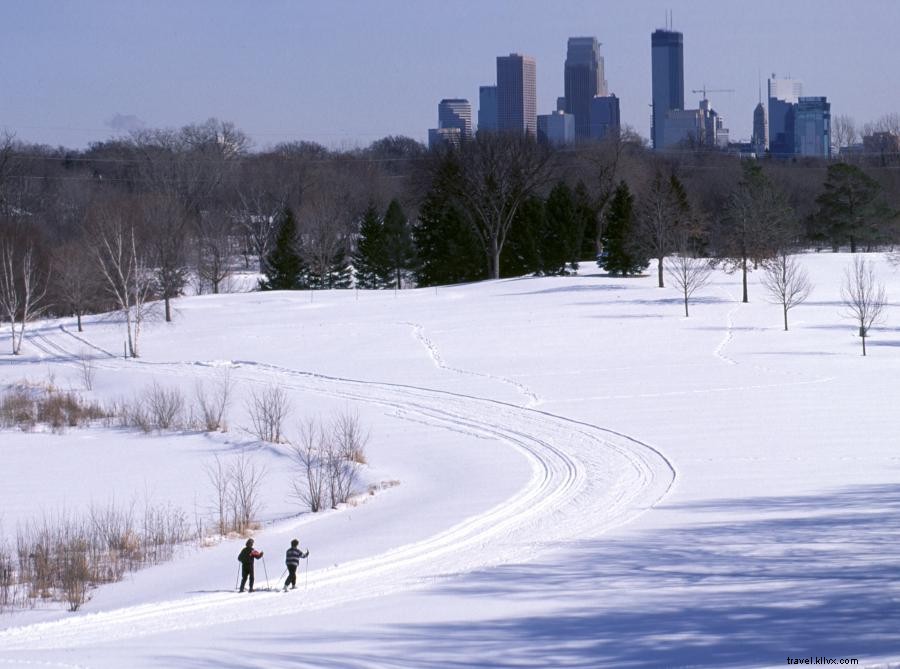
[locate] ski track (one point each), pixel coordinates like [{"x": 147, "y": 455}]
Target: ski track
[
  {"x": 585, "y": 480},
  {"x": 419, "y": 333}
]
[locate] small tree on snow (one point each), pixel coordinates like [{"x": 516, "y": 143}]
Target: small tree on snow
[
  {"x": 864, "y": 297},
  {"x": 688, "y": 274},
  {"x": 21, "y": 291},
  {"x": 787, "y": 282}
]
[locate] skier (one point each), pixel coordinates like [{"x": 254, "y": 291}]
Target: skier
[
  {"x": 292, "y": 560},
  {"x": 246, "y": 558}
]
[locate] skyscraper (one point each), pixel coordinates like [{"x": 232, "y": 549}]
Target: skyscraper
[
  {"x": 556, "y": 129},
  {"x": 584, "y": 80},
  {"x": 516, "y": 94},
  {"x": 760, "y": 139},
  {"x": 604, "y": 116},
  {"x": 784, "y": 95},
  {"x": 667, "y": 55},
  {"x": 812, "y": 127},
  {"x": 456, "y": 113},
  {"x": 487, "y": 108}
]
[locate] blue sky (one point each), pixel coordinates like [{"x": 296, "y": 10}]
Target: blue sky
[{"x": 345, "y": 72}]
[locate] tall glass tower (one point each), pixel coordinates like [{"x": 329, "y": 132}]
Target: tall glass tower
[
  {"x": 456, "y": 113},
  {"x": 516, "y": 94},
  {"x": 667, "y": 51},
  {"x": 584, "y": 80}
]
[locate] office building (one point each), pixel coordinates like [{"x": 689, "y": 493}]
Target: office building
[
  {"x": 812, "y": 127},
  {"x": 584, "y": 80},
  {"x": 760, "y": 139},
  {"x": 784, "y": 95},
  {"x": 605, "y": 119},
  {"x": 516, "y": 94},
  {"x": 556, "y": 129},
  {"x": 487, "y": 108},
  {"x": 667, "y": 55},
  {"x": 443, "y": 137},
  {"x": 456, "y": 113}
]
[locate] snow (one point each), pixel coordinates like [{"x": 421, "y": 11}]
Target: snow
[{"x": 586, "y": 479}]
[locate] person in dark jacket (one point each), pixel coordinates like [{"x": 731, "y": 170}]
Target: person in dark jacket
[
  {"x": 292, "y": 560},
  {"x": 246, "y": 558}
]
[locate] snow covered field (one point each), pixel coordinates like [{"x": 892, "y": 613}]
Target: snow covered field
[{"x": 587, "y": 479}]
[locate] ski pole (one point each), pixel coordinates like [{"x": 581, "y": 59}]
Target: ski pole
[
  {"x": 266, "y": 572},
  {"x": 237, "y": 578},
  {"x": 306, "y": 576}
]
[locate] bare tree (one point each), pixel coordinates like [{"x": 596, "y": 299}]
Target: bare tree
[
  {"x": 843, "y": 131},
  {"x": 246, "y": 488},
  {"x": 864, "y": 296},
  {"x": 75, "y": 279},
  {"x": 310, "y": 485},
  {"x": 125, "y": 271},
  {"x": 787, "y": 282},
  {"x": 214, "y": 404},
  {"x": 165, "y": 226},
  {"x": 268, "y": 409},
  {"x": 759, "y": 221},
  {"x": 219, "y": 479},
  {"x": 687, "y": 272},
  {"x": 215, "y": 249},
  {"x": 345, "y": 453},
  {"x": 662, "y": 211},
  {"x": 498, "y": 173},
  {"x": 22, "y": 289}
]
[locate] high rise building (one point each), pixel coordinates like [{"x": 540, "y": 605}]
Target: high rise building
[
  {"x": 812, "y": 127},
  {"x": 605, "y": 119},
  {"x": 584, "y": 80},
  {"x": 667, "y": 55},
  {"x": 440, "y": 137},
  {"x": 784, "y": 95},
  {"x": 487, "y": 108},
  {"x": 557, "y": 129},
  {"x": 454, "y": 123},
  {"x": 456, "y": 113},
  {"x": 516, "y": 94},
  {"x": 760, "y": 139}
]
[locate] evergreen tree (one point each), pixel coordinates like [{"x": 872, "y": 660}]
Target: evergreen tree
[
  {"x": 369, "y": 261},
  {"x": 564, "y": 231},
  {"x": 398, "y": 244},
  {"x": 283, "y": 267},
  {"x": 522, "y": 251},
  {"x": 851, "y": 209},
  {"x": 586, "y": 212},
  {"x": 621, "y": 254},
  {"x": 446, "y": 247}
]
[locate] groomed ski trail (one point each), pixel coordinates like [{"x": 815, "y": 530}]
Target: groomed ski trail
[{"x": 585, "y": 480}]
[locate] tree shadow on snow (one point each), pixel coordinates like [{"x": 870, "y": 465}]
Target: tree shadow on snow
[{"x": 779, "y": 576}]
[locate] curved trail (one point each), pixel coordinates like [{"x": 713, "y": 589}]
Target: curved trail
[{"x": 585, "y": 480}]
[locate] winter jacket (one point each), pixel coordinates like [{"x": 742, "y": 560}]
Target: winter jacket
[
  {"x": 293, "y": 555},
  {"x": 247, "y": 556}
]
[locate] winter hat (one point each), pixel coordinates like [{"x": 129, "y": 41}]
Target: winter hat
[
  {"x": 249, "y": 542},
  {"x": 294, "y": 543}
]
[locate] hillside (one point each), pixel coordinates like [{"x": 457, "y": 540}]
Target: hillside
[{"x": 570, "y": 473}]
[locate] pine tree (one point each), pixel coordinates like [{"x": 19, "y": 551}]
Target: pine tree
[
  {"x": 564, "y": 231},
  {"x": 621, "y": 254},
  {"x": 369, "y": 261},
  {"x": 283, "y": 267},
  {"x": 522, "y": 250},
  {"x": 446, "y": 247},
  {"x": 586, "y": 211},
  {"x": 398, "y": 244}
]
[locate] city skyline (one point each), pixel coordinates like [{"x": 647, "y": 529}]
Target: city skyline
[{"x": 71, "y": 74}]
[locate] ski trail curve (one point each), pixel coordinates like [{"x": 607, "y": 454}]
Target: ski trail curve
[{"x": 585, "y": 480}]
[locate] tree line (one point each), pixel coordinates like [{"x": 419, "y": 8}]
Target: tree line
[{"x": 136, "y": 221}]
